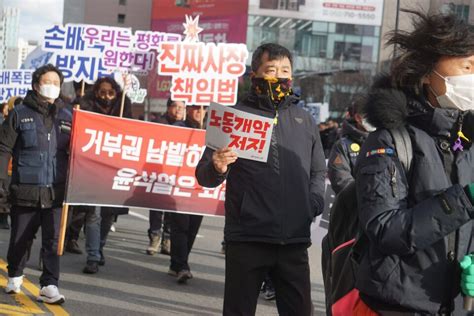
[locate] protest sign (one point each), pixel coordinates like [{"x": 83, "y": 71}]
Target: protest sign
[
  {"x": 14, "y": 82},
  {"x": 88, "y": 52},
  {"x": 131, "y": 85},
  {"x": 122, "y": 162},
  {"x": 202, "y": 72},
  {"x": 222, "y": 21},
  {"x": 247, "y": 134}
]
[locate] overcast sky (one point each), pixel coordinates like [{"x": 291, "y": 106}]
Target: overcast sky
[{"x": 36, "y": 16}]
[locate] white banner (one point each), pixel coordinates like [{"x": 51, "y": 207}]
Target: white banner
[{"x": 14, "y": 82}]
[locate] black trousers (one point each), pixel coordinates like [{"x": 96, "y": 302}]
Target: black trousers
[
  {"x": 246, "y": 264},
  {"x": 184, "y": 229},
  {"x": 158, "y": 219},
  {"x": 25, "y": 222}
]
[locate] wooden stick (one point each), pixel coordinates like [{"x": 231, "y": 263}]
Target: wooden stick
[
  {"x": 62, "y": 228},
  {"x": 83, "y": 88},
  {"x": 122, "y": 104},
  {"x": 202, "y": 117},
  {"x": 64, "y": 213}
]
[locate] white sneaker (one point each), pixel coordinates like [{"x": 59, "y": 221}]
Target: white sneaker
[
  {"x": 14, "y": 285},
  {"x": 112, "y": 228},
  {"x": 50, "y": 294}
]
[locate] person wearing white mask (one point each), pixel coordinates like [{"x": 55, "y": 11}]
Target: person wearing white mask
[
  {"x": 413, "y": 255},
  {"x": 36, "y": 134}
]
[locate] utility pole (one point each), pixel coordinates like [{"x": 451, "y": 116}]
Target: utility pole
[{"x": 396, "y": 28}]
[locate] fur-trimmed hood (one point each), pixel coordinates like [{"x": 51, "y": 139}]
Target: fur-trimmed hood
[
  {"x": 390, "y": 108},
  {"x": 386, "y": 106}
]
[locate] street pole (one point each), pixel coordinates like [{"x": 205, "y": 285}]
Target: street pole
[{"x": 396, "y": 29}]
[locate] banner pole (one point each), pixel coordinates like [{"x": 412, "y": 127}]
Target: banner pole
[
  {"x": 122, "y": 103},
  {"x": 202, "y": 117},
  {"x": 83, "y": 88},
  {"x": 65, "y": 209}
]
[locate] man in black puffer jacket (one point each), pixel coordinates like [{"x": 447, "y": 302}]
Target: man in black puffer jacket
[{"x": 270, "y": 205}]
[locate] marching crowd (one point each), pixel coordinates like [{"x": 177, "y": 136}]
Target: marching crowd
[{"x": 400, "y": 235}]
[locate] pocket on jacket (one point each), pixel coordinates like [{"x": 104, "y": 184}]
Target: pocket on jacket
[
  {"x": 375, "y": 180},
  {"x": 29, "y": 135}
]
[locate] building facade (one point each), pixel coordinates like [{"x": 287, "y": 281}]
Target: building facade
[
  {"x": 9, "y": 29},
  {"x": 124, "y": 13}
]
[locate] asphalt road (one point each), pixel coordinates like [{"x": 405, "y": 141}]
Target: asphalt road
[{"x": 134, "y": 283}]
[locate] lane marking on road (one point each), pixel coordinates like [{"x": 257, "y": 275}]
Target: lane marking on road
[
  {"x": 30, "y": 287},
  {"x": 13, "y": 310},
  {"x": 26, "y": 305},
  {"x": 138, "y": 215}
]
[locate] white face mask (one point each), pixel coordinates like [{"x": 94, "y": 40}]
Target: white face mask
[
  {"x": 459, "y": 92},
  {"x": 368, "y": 127},
  {"x": 49, "y": 91}
]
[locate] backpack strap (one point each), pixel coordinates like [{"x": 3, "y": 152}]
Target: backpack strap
[{"x": 403, "y": 146}]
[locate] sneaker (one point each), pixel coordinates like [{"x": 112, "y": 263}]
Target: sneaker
[
  {"x": 50, "y": 295},
  {"x": 14, "y": 285},
  {"x": 92, "y": 267},
  {"x": 154, "y": 244},
  {"x": 172, "y": 272},
  {"x": 73, "y": 247},
  {"x": 112, "y": 228},
  {"x": 166, "y": 246},
  {"x": 183, "y": 276}
]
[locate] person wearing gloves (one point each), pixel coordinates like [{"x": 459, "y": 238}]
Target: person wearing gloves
[
  {"x": 36, "y": 134},
  {"x": 417, "y": 225}
]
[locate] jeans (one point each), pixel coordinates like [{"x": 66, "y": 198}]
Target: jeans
[{"x": 93, "y": 221}]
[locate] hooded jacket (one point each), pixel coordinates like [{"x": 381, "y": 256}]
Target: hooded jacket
[
  {"x": 343, "y": 156},
  {"x": 417, "y": 226},
  {"x": 89, "y": 103},
  {"x": 274, "y": 201},
  {"x": 36, "y": 134}
]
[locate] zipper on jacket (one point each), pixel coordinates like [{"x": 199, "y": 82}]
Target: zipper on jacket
[{"x": 393, "y": 180}]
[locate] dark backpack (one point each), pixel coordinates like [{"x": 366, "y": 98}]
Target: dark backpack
[{"x": 343, "y": 231}]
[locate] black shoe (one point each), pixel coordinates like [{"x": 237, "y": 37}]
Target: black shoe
[
  {"x": 102, "y": 259},
  {"x": 92, "y": 267},
  {"x": 4, "y": 221},
  {"x": 184, "y": 276},
  {"x": 73, "y": 247}
]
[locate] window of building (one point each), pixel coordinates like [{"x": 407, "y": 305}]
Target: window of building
[
  {"x": 462, "y": 11},
  {"x": 122, "y": 2},
  {"x": 121, "y": 18},
  {"x": 311, "y": 45}
]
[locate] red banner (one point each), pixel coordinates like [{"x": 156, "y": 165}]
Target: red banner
[{"x": 123, "y": 162}]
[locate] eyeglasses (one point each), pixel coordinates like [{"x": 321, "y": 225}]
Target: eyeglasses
[{"x": 109, "y": 93}]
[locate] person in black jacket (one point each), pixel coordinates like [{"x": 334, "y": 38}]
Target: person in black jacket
[
  {"x": 184, "y": 227},
  {"x": 105, "y": 98},
  {"x": 270, "y": 205},
  {"x": 36, "y": 134},
  {"x": 174, "y": 114},
  {"x": 344, "y": 152},
  {"x": 417, "y": 225}
]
